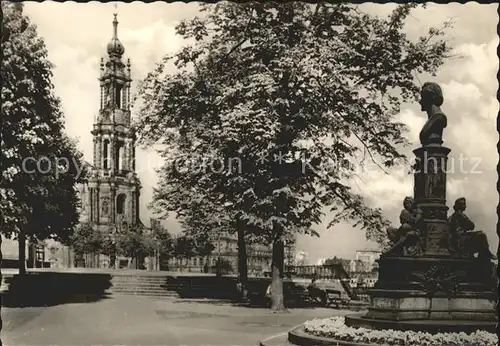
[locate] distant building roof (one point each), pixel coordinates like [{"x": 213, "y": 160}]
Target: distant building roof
[{"x": 369, "y": 250}]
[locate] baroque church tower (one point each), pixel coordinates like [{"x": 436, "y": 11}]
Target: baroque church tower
[{"x": 111, "y": 195}]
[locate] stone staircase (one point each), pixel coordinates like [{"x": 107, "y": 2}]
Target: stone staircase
[
  {"x": 140, "y": 285},
  {"x": 152, "y": 286}
]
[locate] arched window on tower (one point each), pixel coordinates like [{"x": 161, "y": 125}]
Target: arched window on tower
[
  {"x": 105, "y": 151},
  {"x": 119, "y": 156},
  {"x": 120, "y": 203},
  {"x": 124, "y": 98},
  {"x": 118, "y": 96},
  {"x": 133, "y": 159}
]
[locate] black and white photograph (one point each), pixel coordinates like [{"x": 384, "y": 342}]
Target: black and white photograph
[{"x": 249, "y": 173}]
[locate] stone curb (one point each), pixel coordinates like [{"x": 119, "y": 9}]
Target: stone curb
[
  {"x": 276, "y": 340},
  {"x": 202, "y": 301},
  {"x": 299, "y": 337}
]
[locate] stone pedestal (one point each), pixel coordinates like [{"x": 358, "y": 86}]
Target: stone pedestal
[
  {"x": 440, "y": 292},
  {"x": 412, "y": 305},
  {"x": 430, "y": 197}
]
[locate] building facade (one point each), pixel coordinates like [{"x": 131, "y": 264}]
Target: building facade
[
  {"x": 368, "y": 259},
  {"x": 226, "y": 246},
  {"x": 259, "y": 257}
]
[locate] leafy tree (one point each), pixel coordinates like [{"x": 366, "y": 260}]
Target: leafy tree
[
  {"x": 297, "y": 93},
  {"x": 203, "y": 245},
  {"x": 86, "y": 239},
  {"x": 39, "y": 164},
  {"x": 130, "y": 242},
  {"x": 203, "y": 218},
  {"x": 225, "y": 266},
  {"x": 184, "y": 247},
  {"x": 189, "y": 246},
  {"x": 158, "y": 241},
  {"x": 163, "y": 242}
]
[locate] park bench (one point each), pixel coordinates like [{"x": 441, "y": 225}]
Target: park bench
[
  {"x": 293, "y": 293},
  {"x": 334, "y": 298},
  {"x": 326, "y": 296}
]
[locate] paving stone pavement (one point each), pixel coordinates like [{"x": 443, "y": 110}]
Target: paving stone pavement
[{"x": 129, "y": 320}]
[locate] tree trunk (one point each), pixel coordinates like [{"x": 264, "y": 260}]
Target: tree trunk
[
  {"x": 1, "y": 259},
  {"x": 218, "y": 269},
  {"x": 242, "y": 262},
  {"x": 33, "y": 250},
  {"x": 22, "y": 252},
  {"x": 277, "y": 299}
]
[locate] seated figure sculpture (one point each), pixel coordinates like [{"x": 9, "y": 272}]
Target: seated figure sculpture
[
  {"x": 463, "y": 240},
  {"x": 406, "y": 238}
]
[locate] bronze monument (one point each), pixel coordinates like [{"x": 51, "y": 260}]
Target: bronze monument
[
  {"x": 431, "y": 101},
  {"x": 406, "y": 239},
  {"x": 463, "y": 240},
  {"x": 437, "y": 276}
]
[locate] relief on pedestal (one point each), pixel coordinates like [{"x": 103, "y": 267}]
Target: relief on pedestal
[
  {"x": 430, "y": 175},
  {"x": 436, "y": 237},
  {"x": 439, "y": 279},
  {"x": 435, "y": 213},
  {"x": 435, "y": 186}
]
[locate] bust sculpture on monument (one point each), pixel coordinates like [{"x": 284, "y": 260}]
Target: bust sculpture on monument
[
  {"x": 462, "y": 237},
  {"x": 430, "y": 102}
]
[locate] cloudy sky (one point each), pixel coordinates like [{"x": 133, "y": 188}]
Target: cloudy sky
[{"x": 76, "y": 36}]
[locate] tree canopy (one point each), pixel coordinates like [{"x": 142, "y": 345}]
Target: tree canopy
[
  {"x": 273, "y": 105},
  {"x": 192, "y": 245},
  {"x": 159, "y": 240},
  {"x": 40, "y": 164},
  {"x": 309, "y": 85},
  {"x": 86, "y": 239}
]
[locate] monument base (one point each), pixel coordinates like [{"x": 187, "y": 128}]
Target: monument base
[
  {"x": 443, "y": 294},
  {"x": 412, "y": 305},
  {"x": 435, "y": 275}
]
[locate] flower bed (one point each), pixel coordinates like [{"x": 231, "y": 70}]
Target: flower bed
[{"x": 336, "y": 328}]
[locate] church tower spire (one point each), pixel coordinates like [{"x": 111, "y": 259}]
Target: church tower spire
[{"x": 114, "y": 186}]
